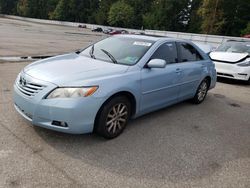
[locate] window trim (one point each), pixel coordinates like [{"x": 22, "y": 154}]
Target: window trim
[
  {"x": 180, "y": 54},
  {"x": 165, "y": 42}
]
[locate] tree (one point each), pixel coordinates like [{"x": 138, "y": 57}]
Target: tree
[
  {"x": 194, "y": 20},
  {"x": 212, "y": 16},
  {"x": 224, "y": 17},
  {"x": 121, "y": 14},
  {"x": 140, "y": 7},
  {"x": 75, "y": 10},
  {"x": 221, "y": 17},
  {"x": 22, "y": 7},
  {"x": 149, "y": 21},
  {"x": 8, "y": 6},
  {"x": 236, "y": 15},
  {"x": 51, "y": 5},
  {"x": 101, "y": 13},
  {"x": 35, "y": 8},
  {"x": 246, "y": 31},
  {"x": 62, "y": 11},
  {"x": 167, "y": 15}
]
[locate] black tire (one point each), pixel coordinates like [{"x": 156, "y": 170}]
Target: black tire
[
  {"x": 201, "y": 92},
  {"x": 110, "y": 124},
  {"x": 248, "y": 82}
]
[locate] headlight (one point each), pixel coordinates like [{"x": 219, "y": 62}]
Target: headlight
[
  {"x": 72, "y": 92},
  {"x": 245, "y": 63}
]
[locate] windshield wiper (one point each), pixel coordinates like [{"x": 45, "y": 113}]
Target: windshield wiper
[
  {"x": 91, "y": 51},
  {"x": 110, "y": 56}
]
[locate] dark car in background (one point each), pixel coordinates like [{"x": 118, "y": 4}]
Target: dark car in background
[{"x": 98, "y": 29}]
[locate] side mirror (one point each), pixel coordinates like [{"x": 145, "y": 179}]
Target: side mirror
[{"x": 157, "y": 63}]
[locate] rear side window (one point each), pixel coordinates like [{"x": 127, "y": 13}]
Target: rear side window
[
  {"x": 188, "y": 53},
  {"x": 167, "y": 52}
]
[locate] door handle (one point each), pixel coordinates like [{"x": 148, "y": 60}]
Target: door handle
[{"x": 178, "y": 70}]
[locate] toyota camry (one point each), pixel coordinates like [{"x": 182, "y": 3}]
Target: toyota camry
[{"x": 99, "y": 88}]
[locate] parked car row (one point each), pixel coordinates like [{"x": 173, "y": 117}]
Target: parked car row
[{"x": 110, "y": 31}]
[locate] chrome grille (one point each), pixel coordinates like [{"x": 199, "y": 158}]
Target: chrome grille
[{"x": 28, "y": 88}]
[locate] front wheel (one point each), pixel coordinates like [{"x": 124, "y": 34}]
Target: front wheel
[
  {"x": 113, "y": 117},
  {"x": 248, "y": 82},
  {"x": 201, "y": 92}
]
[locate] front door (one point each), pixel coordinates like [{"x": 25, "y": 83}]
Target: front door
[{"x": 160, "y": 86}]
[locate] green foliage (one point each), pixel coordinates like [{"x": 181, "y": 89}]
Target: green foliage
[
  {"x": 149, "y": 21},
  {"x": 35, "y": 8},
  {"x": 101, "y": 13},
  {"x": 121, "y": 14},
  {"x": 167, "y": 14},
  {"x": 7, "y": 6},
  {"x": 246, "y": 31},
  {"x": 140, "y": 8},
  {"x": 223, "y": 17},
  {"x": 62, "y": 11},
  {"x": 75, "y": 10},
  {"x": 195, "y": 20},
  {"x": 22, "y": 7},
  {"x": 236, "y": 15},
  {"x": 51, "y": 5},
  {"x": 212, "y": 15}
]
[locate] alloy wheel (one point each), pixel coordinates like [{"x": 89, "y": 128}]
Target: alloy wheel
[
  {"x": 117, "y": 118},
  {"x": 202, "y": 91}
]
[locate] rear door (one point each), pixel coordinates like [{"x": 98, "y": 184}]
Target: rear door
[{"x": 191, "y": 65}]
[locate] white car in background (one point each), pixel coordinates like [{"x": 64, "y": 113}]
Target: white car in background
[
  {"x": 232, "y": 60},
  {"x": 207, "y": 48}
]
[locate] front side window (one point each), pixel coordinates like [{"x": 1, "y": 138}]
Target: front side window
[
  {"x": 189, "y": 53},
  {"x": 167, "y": 52},
  {"x": 121, "y": 50}
]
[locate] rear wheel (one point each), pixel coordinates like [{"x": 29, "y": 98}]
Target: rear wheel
[
  {"x": 201, "y": 92},
  {"x": 113, "y": 117}
]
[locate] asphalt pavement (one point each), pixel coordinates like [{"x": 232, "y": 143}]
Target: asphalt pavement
[{"x": 186, "y": 145}]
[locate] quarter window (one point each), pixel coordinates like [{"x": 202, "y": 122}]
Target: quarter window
[
  {"x": 167, "y": 52},
  {"x": 189, "y": 53}
]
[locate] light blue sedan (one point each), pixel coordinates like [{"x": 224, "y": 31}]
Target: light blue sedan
[{"x": 101, "y": 87}]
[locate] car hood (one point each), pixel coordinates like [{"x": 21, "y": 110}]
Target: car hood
[
  {"x": 72, "y": 69},
  {"x": 228, "y": 56}
]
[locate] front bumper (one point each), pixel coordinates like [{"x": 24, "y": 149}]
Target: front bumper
[
  {"x": 79, "y": 114},
  {"x": 232, "y": 71}
]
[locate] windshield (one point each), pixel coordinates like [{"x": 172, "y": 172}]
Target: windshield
[
  {"x": 121, "y": 50},
  {"x": 235, "y": 47}
]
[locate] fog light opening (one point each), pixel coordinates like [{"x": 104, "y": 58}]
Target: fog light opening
[
  {"x": 242, "y": 74},
  {"x": 59, "y": 123}
]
